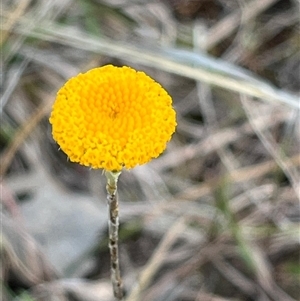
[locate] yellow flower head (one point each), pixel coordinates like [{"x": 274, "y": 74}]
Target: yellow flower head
[{"x": 112, "y": 117}]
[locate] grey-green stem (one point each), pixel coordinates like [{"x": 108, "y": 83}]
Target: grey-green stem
[{"x": 113, "y": 226}]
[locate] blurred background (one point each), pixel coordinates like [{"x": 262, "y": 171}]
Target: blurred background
[{"x": 214, "y": 218}]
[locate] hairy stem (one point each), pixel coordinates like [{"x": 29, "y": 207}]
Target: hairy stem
[{"x": 113, "y": 225}]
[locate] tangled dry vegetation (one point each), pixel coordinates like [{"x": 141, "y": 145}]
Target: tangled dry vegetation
[{"x": 216, "y": 217}]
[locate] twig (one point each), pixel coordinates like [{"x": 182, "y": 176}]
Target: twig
[{"x": 113, "y": 226}]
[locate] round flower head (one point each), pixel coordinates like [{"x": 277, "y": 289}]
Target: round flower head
[{"x": 112, "y": 117}]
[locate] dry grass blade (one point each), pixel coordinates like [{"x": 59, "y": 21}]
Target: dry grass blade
[
  {"x": 223, "y": 137},
  {"x": 237, "y": 176},
  {"x": 21, "y": 256},
  {"x": 269, "y": 143},
  {"x": 13, "y": 18},
  {"x": 233, "y": 275},
  {"x": 230, "y": 23},
  {"x": 156, "y": 260},
  {"x": 74, "y": 289},
  {"x": 176, "y": 61},
  {"x": 264, "y": 274},
  {"x": 25, "y": 130}
]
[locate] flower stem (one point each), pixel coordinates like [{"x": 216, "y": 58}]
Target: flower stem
[{"x": 113, "y": 225}]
